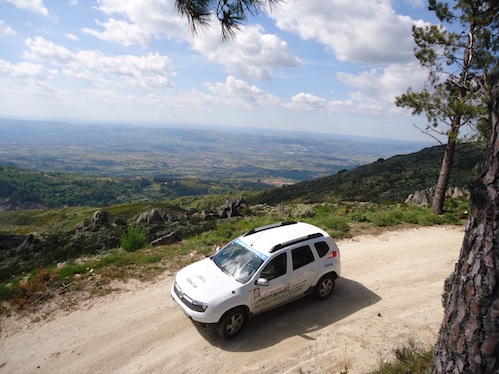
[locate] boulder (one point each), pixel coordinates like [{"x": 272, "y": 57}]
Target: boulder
[
  {"x": 231, "y": 208},
  {"x": 422, "y": 198},
  {"x": 457, "y": 192},
  {"x": 150, "y": 217},
  {"x": 99, "y": 219},
  {"x": 425, "y": 197},
  {"x": 28, "y": 246},
  {"x": 206, "y": 215},
  {"x": 192, "y": 211},
  {"x": 173, "y": 216}
]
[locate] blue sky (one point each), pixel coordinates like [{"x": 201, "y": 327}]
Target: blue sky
[{"x": 331, "y": 66}]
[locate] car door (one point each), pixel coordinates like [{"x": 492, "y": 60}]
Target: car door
[
  {"x": 275, "y": 272},
  {"x": 303, "y": 270}
]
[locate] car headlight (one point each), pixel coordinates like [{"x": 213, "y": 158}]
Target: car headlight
[
  {"x": 198, "y": 306},
  {"x": 195, "y": 305}
]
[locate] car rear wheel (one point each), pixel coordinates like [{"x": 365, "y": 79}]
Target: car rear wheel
[
  {"x": 232, "y": 323},
  {"x": 324, "y": 287}
]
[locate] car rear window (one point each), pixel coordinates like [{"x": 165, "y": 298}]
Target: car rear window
[{"x": 322, "y": 248}]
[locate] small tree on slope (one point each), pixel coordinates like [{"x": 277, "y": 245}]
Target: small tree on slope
[{"x": 459, "y": 58}]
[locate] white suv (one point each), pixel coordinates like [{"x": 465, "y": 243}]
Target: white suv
[{"x": 262, "y": 269}]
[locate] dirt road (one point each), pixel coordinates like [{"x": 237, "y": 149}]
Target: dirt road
[{"x": 390, "y": 291}]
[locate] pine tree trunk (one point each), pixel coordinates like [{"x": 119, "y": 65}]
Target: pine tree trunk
[
  {"x": 443, "y": 177},
  {"x": 469, "y": 336},
  {"x": 450, "y": 148}
]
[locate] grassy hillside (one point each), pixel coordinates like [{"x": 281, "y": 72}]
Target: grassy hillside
[{"x": 390, "y": 180}]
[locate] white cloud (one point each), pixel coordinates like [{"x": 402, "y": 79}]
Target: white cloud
[
  {"x": 31, "y": 5},
  {"x": 365, "y": 31},
  {"x": 72, "y": 37},
  {"x": 309, "y": 103},
  {"x": 6, "y": 29},
  {"x": 304, "y": 102},
  {"x": 252, "y": 54},
  {"x": 25, "y": 70},
  {"x": 147, "y": 72},
  {"x": 41, "y": 49},
  {"x": 156, "y": 17},
  {"x": 238, "y": 93},
  {"x": 373, "y": 92},
  {"x": 377, "y": 88},
  {"x": 120, "y": 32},
  {"x": 32, "y": 79}
]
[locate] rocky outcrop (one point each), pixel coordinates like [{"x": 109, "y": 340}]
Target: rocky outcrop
[
  {"x": 173, "y": 216},
  {"x": 457, "y": 192},
  {"x": 98, "y": 220},
  {"x": 151, "y": 217},
  {"x": 154, "y": 216},
  {"x": 425, "y": 197},
  {"x": 231, "y": 208},
  {"x": 28, "y": 246}
]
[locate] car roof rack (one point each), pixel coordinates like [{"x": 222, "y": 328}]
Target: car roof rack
[
  {"x": 295, "y": 241},
  {"x": 272, "y": 226}
]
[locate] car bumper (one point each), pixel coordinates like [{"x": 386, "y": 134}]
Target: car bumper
[{"x": 203, "y": 319}]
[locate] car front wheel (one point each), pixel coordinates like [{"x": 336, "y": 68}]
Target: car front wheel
[
  {"x": 231, "y": 323},
  {"x": 324, "y": 287}
]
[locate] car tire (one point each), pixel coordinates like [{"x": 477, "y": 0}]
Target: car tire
[
  {"x": 324, "y": 287},
  {"x": 232, "y": 323}
]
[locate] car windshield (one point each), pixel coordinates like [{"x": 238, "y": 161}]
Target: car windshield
[{"x": 237, "y": 261}]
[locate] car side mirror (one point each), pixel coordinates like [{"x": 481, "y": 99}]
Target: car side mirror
[
  {"x": 217, "y": 249},
  {"x": 262, "y": 282}
]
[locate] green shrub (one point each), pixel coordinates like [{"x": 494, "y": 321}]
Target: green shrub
[
  {"x": 336, "y": 226},
  {"x": 5, "y": 292},
  {"x": 134, "y": 238},
  {"x": 387, "y": 218},
  {"x": 410, "y": 358},
  {"x": 71, "y": 270}
]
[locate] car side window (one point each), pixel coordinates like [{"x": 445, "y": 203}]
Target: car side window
[
  {"x": 322, "y": 248},
  {"x": 275, "y": 268},
  {"x": 301, "y": 256}
]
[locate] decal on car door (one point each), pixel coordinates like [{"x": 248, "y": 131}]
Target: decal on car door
[{"x": 267, "y": 299}]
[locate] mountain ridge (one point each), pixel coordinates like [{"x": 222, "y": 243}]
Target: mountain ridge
[{"x": 392, "y": 179}]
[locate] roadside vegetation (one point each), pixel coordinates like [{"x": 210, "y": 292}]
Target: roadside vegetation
[
  {"x": 410, "y": 358},
  {"x": 121, "y": 249}
]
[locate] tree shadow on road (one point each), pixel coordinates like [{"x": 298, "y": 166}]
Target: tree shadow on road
[{"x": 300, "y": 317}]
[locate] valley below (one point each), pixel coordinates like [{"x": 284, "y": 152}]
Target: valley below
[{"x": 269, "y": 156}]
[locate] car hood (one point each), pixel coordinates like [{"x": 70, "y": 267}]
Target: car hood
[{"x": 204, "y": 281}]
